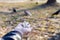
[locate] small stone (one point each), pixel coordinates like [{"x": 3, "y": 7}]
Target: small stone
[{"x": 27, "y": 13}]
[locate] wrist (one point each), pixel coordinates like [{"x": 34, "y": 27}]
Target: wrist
[{"x": 19, "y": 31}]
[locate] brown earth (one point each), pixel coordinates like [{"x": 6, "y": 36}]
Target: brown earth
[{"x": 44, "y": 27}]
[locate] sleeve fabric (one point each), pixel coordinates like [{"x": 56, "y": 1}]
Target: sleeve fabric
[{"x": 13, "y": 35}]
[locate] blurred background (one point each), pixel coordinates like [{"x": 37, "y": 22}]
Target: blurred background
[{"x": 41, "y": 10}]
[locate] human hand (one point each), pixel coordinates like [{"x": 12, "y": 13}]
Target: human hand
[{"x": 23, "y": 28}]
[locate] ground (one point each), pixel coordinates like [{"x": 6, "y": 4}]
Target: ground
[{"x": 44, "y": 27}]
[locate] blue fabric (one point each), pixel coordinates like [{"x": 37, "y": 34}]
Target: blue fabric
[
  {"x": 12, "y": 33},
  {"x": 8, "y": 38}
]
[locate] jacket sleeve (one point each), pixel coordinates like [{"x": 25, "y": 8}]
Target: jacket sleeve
[{"x": 13, "y": 35}]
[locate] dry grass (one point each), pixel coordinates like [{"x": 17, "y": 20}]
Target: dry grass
[{"x": 44, "y": 26}]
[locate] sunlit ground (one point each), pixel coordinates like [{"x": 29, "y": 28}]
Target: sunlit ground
[{"x": 44, "y": 26}]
